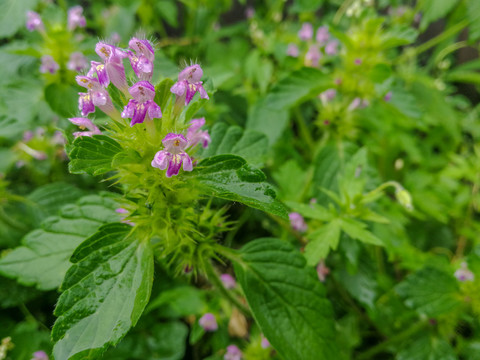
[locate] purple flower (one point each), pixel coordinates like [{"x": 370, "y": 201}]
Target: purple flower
[
  {"x": 208, "y": 322},
  {"x": 189, "y": 83},
  {"x": 292, "y": 50},
  {"x": 297, "y": 222},
  {"x": 322, "y": 271},
  {"x": 331, "y": 47},
  {"x": 142, "y": 59},
  {"x": 58, "y": 138},
  {"x": 114, "y": 70},
  {"x": 142, "y": 105},
  {"x": 358, "y": 103},
  {"x": 358, "y": 61},
  {"x": 388, "y": 96},
  {"x": 265, "y": 343},
  {"x": 249, "y": 12},
  {"x": 173, "y": 156},
  {"x": 76, "y": 18},
  {"x": 313, "y": 56},
  {"x": 96, "y": 96},
  {"x": 306, "y": 32},
  {"x": 84, "y": 123},
  {"x": 34, "y": 21},
  {"x": 228, "y": 281},
  {"x": 233, "y": 353},
  {"x": 322, "y": 35},
  {"x": 77, "y": 62},
  {"x": 40, "y": 355},
  {"x": 27, "y": 136},
  {"x": 48, "y": 65},
  {"x": 464, "y": 274},
  {"x": 195, "y": 135},
  {"x": 327, "y": 96}
]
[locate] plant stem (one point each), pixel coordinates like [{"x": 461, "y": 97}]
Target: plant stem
[
  {"x": 438, "y": 39},
  {"x": 215, "y": 279},
  {"x": 395, "y": 339},
  {"x": 304, "y": 131}
]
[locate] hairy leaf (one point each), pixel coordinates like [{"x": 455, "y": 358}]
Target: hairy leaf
[
  {"x": 105, "y": 292},
  {"x": 287, "y": 300},
  {"x": 93, "y": 155},
  {"x": 230, "y": 177},
  {"x": 43, "y": 259},
  {"x": 430, "y": 291}
]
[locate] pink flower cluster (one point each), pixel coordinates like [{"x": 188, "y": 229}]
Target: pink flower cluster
[
  {"x": 322, "y": 44},
  {"x": 142, "y": 106}
]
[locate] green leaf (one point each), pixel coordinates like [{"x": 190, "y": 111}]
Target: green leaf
[
  {"x": 49, "y": 199},
  {"x": 93, "y": 155},
  {"x": 43, "y": 258},
  {"x": 426, "y": 347},
  {"x": 249, "y": 144},
  {"x": 12, "y": 15},
  {"x": 433, "y": 10},
  {"x": 288, "y": 184},
  {"x": 430, "y": 291},
  {"x": 287, "y": 300},
  {"x": 230, "y": 177},
  {"x": 321, "y": 241},
  {"x": 311, "y": 211},
  {"x": 13, "y": 294},
  {"x": 105, "y": 292},
  {"x": 162, "y": 92},
  {"x": 473, "y": 14},
  {"x": 269, "y": 115},
  {"x": 62, "y": 98},
  {"x": 356, "y": 230},
  {"x": 118, "y": 98},
  {"x": 178, "y": 302},
  {"x": 269, "y": 121}
]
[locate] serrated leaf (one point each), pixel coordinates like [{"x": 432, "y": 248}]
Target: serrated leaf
[
  {"x": 43, "y": 258},
  {"x": 430, "y": 291},
  {"x": 287, "y": 300},
  {"x": 92, "y": 155},
  {"x": 356, "y": 230},
  {"x": 249, "y": 144},
  {"x": 105, "y": 292},
  {"x": 230, "y": 177},
  {"x": 321, "y": 241}
]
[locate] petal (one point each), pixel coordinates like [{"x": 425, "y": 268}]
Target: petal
[
  {"x": 83, "y": 123},
  {"x": 129, "y": 109},
  {"x": 99, "y": 98},
  {"x": 174, "y": 143},
  {"x": 192, "y": 74},
  {"x": 160, "y": 160},
  {"x": 191, "y": 90},
  {"x": 203, "y": 93},
  {"x": 179, "y": 88},
  {"x": 154, "y": 111},
  {"x": 116, "y": 73},
  {"x": 187, "y": 162},
  {"x": 139, "y": 114},
  {"x": 85, "y": 104},
  {"x": 142, "y": 91},
  {"x": 174, "y": 165}
]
